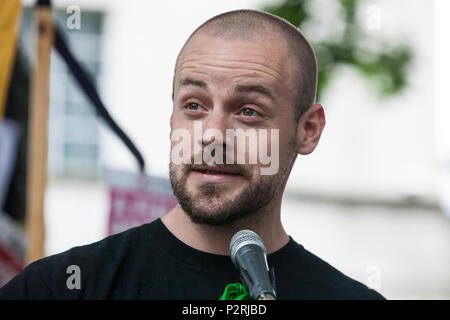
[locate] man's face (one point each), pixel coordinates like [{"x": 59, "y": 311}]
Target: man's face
[{"x": 230, "y": 85}]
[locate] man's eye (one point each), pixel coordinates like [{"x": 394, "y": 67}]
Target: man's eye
[
  {"x": 193, "y": 106},
  {"x": 249, "y": 112}
]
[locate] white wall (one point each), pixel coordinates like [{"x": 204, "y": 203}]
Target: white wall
[
  {"x": 441, "y": 75},
  {"x": 374, "y": 147}
]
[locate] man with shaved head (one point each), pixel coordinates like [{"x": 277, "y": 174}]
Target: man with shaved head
[{"x": 244, "y": 88}]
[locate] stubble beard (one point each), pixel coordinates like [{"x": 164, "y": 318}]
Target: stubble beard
[{"x": 211, "y": 204}]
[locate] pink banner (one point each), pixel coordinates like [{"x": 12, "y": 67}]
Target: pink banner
[{"x": 135, "y": 201}]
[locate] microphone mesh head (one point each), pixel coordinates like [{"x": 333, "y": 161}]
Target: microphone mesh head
[{"x": 242, "y": 238}]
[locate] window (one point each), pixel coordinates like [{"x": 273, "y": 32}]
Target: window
[{"x": 73, "y": 128}]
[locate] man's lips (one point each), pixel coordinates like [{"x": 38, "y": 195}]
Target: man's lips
[{"x": 214, "y": 173}]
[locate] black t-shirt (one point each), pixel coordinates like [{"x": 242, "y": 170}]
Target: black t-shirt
[{"x": 149, "y": 262}]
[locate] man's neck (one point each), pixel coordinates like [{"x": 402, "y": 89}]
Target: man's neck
[{"x": 216, "y": 239}]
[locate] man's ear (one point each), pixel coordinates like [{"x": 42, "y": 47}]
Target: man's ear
[{"x": 309, "y": 129}]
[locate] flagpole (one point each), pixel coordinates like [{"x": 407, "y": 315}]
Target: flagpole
[{"x": 37, "y": 139}]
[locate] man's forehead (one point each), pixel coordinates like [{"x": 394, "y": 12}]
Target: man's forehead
[
  {"x": 249, "y": 56},
  {"x": 264, "y": 45}
]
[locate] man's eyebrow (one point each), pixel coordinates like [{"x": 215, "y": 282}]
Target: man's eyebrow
[
  {"x": 189, "y": 81},
  {"x": 242, "y": 88}
]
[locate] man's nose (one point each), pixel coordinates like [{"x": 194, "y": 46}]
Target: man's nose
[{"x": 214, "y": 126}]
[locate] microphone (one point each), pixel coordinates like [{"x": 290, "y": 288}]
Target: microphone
[{"x": 249, "y": 256}]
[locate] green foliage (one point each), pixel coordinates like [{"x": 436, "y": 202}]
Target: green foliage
[{"x": 386, "y": 68}]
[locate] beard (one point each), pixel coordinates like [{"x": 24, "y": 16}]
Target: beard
[{"x": 211, "y": 203}]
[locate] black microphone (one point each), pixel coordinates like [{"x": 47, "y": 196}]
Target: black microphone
[{"x": 249, "y": 256}]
